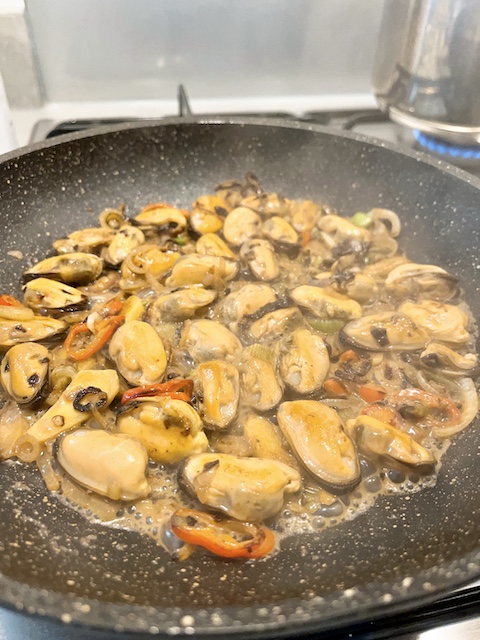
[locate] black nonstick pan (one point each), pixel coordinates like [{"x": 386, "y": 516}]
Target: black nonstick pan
[{"x": 400, "y": 554}]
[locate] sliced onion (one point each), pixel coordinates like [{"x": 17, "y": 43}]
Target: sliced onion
[
  {"x": 391, "y": 217},
  {"x": 427, "y": 386},
  {"x": 92, "y": 318},
  {"x": 437, "y": 383},
  {"x": 153, "y": 282},
  {"x": 469, "y": 400}
]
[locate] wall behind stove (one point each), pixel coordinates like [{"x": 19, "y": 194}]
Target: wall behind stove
[{"x": 141, "y": 49}]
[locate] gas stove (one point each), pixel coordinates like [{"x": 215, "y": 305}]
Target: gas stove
[{"x": 454, "y": 617}]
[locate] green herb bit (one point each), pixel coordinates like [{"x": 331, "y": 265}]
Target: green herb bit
[
  {"x": 326, "y": 325},
  {"x": 360, "y": 219},
  {"x": 181, "y": 240}
]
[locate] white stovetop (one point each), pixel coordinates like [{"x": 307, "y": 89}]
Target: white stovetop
[{"x": 23, "y": 120}]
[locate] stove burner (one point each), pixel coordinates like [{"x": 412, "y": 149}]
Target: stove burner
[{"x": 446, "y": 149}]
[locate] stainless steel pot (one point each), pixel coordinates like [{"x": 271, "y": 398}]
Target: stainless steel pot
[{"x": 427, "y": 68}]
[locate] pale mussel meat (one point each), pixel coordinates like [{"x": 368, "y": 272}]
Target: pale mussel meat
[
  {"x": 422, "y": 281},
  {"x": 249, "y": 489},
  {"x": 72, "y": 268},
  {"x": 138, "y": 352},
  {"x": 262, "y": 388},
  {"x": 24, "y": 371},
  {"x": 181, "y": 304},
  {"x": 209, "y": 340},
  {"x": 45, "y": 294},
  {"x": 385, "y": 331},
  {"x": 378, "y": 438},
  {"x": 34, "y": 329},
  {"x": 169, "y": 429},
  {"x": 217, "y": 388},
  {"x": 303, "y": 361},
  {"x": 109, "y": 464},
  {"x": 439, "y": 357},
  {"x": 325, "y": 303},
  {"x": 316, "y": 436},
  {"x": 261, "y": 259}
]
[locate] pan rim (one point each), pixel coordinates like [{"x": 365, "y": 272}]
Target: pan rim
[
  {"x": 400, "y": 149},
  {"x": 144, "y": 618},
  {"x": 238, "y": 622}
]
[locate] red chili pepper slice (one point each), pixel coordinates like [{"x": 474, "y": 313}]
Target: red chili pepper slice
[
  {"x": 381, "y": 412},
  {"x": 9, "y": 301},
  {"x": 371, "y": 394},
  {"x": 178, "y": 389},
  {"x": 111, "y": 308},
  {"x": 426, "y": 409},
  {"x": 227, "y": 538},
  {"x": 106, "y": 329},
  {"x": 349, "y": 356},
  {"x": 335, "y": 388}
]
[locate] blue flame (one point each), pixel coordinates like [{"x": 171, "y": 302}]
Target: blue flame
[{"x": 446, "y": 148}]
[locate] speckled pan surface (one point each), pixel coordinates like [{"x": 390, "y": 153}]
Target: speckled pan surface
[{"x": 399, "y": 553}]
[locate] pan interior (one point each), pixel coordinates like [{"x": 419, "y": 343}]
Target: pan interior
[{"x": 411, "y": 547}]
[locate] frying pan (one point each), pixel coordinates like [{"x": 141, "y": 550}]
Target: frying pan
[{"x": 401, "y": 553}]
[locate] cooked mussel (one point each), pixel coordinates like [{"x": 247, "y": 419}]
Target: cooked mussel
[
  {"x": 71, "y": 268},
  {"x": 304, "y": 215},
  {"x": 381, "y": 439},
  {"x": 441, "y": 321},
  {"x": 280, "y": 232},
  {"x": 261, "y": 259},
  {"x": 125, "y": 240},
  {"x": 315, "y": 433},
  {"x": 261, "y": 387},
  {"x": 209, "y": 340},
  {"x": 303, "y": 361},
  {"x": 265, "y": 440},
  {"x": 85, "y": 240},
  {"x": 251, "y": 489},
  {"x": 325, "y": 303},
  {"x": 385, "y": 331},
  {"x": 138, "y": 351},
  {"x": 110, "y": 464},
  {"x": 24, "y": 371},
  {"x": 379, "y": 270},
  {"x": 37, "y": 328},
  {"x": 341, "y": 229},
  {"x": 206, "y": 213},
  {"x": 161, "y": 217},
  {"x": 170, "y": 429},
  {"x": 245, "y": 302},
  {"x": 274, "y": 324},
  {"x": 240, "y": 225},
  {"x": 357, "y": 286},
  {"x": 212, "y": 245},
  {"x": 45, "y": 293},
  {"x": 210, "y": 271},
  {"x": 441, "y": 358},
  {"x": 267, "y": 203},
  {"x": 217, "y": 387},
  {"x": 182, "y": 304},
  {"x": 422, "y": 281}
]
